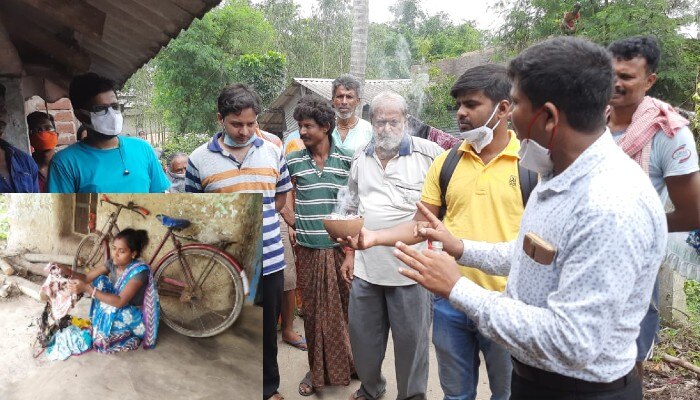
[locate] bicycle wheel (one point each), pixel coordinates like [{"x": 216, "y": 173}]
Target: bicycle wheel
[
  {"x": 209, "y": 308},
  {"x": 90, "y": 253}
]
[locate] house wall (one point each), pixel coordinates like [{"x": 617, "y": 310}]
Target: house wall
[
  {"x": 16, "y": 131},
  {"x": 235, "y": 217},
  {"x": 41, "y": 223}
]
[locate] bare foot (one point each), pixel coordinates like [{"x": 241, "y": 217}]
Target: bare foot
[{"x": 294, "y": 339}]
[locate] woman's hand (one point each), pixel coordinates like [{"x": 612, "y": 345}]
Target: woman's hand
[{"x": 77, "y": 286}]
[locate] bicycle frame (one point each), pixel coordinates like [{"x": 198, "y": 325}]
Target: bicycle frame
[{"x": 179, "y": 248}]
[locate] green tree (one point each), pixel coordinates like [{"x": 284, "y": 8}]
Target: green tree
[
  {"x": 193, "y": 68},
  {"x": 264, "y": 72},
  {"x": 317, "y": 47},
  {"x": 604, "y": 21},
  {"x": 389, "y": 55},
  {"x": 438, "y": 38}
]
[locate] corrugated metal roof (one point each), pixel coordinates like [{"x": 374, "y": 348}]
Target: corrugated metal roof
[
  {"x": 278, "y": 117},
  {"x": 56, "y": 40},
  {"x": 323, "y": 87}
]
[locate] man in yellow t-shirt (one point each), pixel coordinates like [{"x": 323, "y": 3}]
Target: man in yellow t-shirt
[{"x": 483, "y": 201}]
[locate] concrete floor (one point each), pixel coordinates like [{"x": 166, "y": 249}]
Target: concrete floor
[
  {"x": 294, "y": 364},
  {"x": 228, "y": 366}
]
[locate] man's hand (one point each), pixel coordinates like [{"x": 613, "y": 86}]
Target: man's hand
[
  {"x": 292, "y": 236},
  {"x": 436, "y": 231},
  {"x": 437, "y": 272},
  {"x": 347, "y": 268},
  {"x": 364, "y": 240}
]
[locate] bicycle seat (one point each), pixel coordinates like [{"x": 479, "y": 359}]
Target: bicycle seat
[{"x": 170, "y": 222}]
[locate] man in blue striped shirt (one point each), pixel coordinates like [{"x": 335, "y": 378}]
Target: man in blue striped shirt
[{"x": 239, "y": 160}]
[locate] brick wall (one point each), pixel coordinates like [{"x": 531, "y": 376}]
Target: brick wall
[{"x": 62, "y": 112}]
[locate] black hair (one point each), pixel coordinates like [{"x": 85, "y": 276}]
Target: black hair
[
  {"x": 317, "y": 109},
  {"x": 36, "y": 118},
  {"x": 83, "y": 88},
  {"x": 349, "y": 82},
  {"x": 136, "y": 239},
  {"x": 492, "y": 79},
  {"x": 646, "y": 47},
  {"x": 574, "y": 74},
  {"x": 235, "y": 98}
]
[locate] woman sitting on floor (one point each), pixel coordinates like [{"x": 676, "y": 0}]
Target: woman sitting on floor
[{"x": 125, "y": 305}]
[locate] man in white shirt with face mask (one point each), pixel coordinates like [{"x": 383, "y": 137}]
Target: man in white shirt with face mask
[
  {"x": 583, "y": 266},
  {"x": 482, "y": 201},
  {"x": 103, "y": 161}
]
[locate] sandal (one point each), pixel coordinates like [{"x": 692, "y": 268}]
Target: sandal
[
  {"x": 309, "y": 386},
  {"x": 357, "y": 395},
  {"x": 299, "y": 344}
]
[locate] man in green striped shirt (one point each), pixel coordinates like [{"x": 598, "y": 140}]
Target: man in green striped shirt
[{"x": 318, "y": 172}]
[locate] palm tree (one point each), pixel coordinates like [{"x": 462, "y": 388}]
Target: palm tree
[{"x": 360, "y": 32}]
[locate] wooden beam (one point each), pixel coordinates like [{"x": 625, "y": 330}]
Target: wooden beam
[
  {"x": 194, "y": 7},
  {"x": 74, "y": 14},
  {"x": 10, "y": 63},
  {"x": 51, "y": 45}
]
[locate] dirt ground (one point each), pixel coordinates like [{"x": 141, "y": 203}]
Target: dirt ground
[
  {"x": 665, "y": 382},
  {"x": 294, "y": 363},
  {"x": 226, "y": 366}
]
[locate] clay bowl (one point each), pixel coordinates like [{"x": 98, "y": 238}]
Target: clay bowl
[{"x": 342, "y": 228}]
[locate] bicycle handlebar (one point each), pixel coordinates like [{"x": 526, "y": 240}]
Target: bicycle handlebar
[{"x": 131, "y": 206}]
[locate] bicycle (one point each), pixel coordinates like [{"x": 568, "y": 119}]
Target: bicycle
[{"x": 201, "y": 298}]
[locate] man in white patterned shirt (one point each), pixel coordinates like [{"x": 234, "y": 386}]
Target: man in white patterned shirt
[{"x": 576, "y": 292}]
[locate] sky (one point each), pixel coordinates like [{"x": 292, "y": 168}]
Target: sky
[
  {"x": 479, "y": 11},
  {"x": 482, "y": 12}
]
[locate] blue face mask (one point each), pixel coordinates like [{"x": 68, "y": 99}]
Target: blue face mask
[{"x": 230, "y": 142}]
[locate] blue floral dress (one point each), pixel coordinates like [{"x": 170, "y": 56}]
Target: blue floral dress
[{"x": 121, "y": 329}]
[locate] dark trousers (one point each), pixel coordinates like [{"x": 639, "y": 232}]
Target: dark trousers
[
  {"x": 273, "y": 286},
  {"x": 523, "y": 389}
]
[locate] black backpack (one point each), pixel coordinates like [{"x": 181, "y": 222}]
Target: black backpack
[{"x": 528, "y": 179}]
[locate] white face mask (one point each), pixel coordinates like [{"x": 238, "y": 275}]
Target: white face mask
[
  {"x": 109, "y": 124},
  {"x": 535, "y": 157},
  {"x": 480, "y": 137}
]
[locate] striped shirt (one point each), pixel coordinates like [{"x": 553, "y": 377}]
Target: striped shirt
[
  {"x": 263, "y": 170},
  {"x": 316, "y": 192}
]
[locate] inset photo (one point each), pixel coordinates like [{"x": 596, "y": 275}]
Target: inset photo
[{"x": 130, "y": 296}]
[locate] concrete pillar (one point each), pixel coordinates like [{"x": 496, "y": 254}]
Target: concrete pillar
[
  {"x": 672, "y": 300},
  {"x": 16, "y": 132}
]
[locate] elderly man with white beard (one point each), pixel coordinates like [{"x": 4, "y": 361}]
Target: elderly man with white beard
[{"x": 386, "y": 178}]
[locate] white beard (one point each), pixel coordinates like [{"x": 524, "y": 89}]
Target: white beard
[
  {"x": 347, "y": 115},
  {"x": 387, "y": 144}
]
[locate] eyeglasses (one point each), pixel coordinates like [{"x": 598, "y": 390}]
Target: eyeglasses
[
  {"x": 101, "y": 110},
  {"x": 380, "y": 124}
]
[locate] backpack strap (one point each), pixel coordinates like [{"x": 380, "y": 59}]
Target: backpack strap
[
  {"x": 448, "y": 168},
  {"x": 528, "y": 181}
]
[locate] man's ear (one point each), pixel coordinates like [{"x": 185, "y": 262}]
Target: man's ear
[
  {"x": 82, "y": 116},
  {"x": 503, "y": 109},
  {"x": 651, "y": 79},
  {"x": 552, "y": 116}
]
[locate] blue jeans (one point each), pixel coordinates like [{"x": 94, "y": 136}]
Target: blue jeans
[
  {"x": 457, "y": 345},
  {"x": 649, "y": 326}
]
